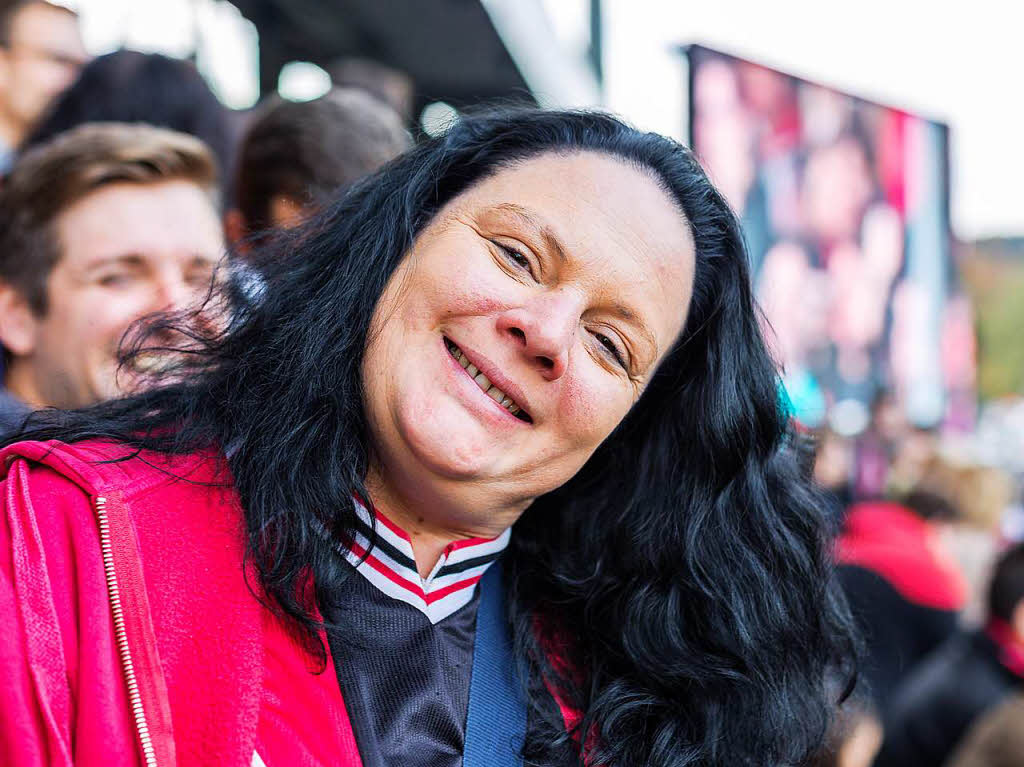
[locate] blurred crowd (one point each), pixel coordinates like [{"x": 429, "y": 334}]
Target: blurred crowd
[
  {"x": 125, "y": 181},
  {"x": 930, "y": 552}
]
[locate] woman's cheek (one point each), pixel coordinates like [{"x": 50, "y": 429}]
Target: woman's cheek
[
  {"x": 592, "y": 403},
  {"x": 478, "y": 291}
]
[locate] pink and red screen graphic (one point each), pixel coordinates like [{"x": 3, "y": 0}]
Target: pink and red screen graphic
[{"x": 845, "y": 210}]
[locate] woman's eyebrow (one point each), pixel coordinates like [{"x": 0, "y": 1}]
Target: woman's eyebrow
[
  {"x": 529, "y": 220},
  {"x": 632, "y": 318}
]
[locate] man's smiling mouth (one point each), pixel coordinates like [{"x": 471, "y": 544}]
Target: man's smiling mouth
[{"x": 485, "y": 385}]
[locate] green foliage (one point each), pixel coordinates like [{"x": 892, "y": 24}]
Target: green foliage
[{"x": 996, "y": 287}]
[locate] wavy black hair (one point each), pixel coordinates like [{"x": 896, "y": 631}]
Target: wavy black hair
[{"x": 683, "y": 573}]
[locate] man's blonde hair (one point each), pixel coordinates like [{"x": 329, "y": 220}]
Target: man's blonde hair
[{"x": 50, "y": 178}]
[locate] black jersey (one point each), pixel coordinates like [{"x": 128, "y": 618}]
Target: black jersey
[{"x": 404, "y": 651}]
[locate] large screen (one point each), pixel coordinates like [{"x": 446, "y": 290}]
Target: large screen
[{"x": 845, "y": 208}]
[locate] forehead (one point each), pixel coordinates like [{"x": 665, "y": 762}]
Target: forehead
[
  {"x": 170, "y": 217},
  {"x": 39, "y": 22},
  {"x": 625, "y": 239}
]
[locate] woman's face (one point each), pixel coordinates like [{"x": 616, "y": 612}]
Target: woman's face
[{"x": 522, "y": 326}]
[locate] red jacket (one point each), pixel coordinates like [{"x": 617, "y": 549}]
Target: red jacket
[
  {"x": 130, "y": 633},
  {"x": 892, "y": 541}
]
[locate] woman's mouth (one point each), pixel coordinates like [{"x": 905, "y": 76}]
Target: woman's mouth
[{"x": 485, "y": 385}]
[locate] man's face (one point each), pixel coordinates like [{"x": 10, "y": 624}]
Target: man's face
[
  {"x": 43, "y": 58},
  {"x": 127, "y": 250}
]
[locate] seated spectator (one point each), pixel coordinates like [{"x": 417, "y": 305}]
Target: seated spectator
[
  {"x": 969, "y": 675},
  {"x": 297, "y": 155},
  {"x": 105, "y": 224},
  {"x": 904, "y": 589},
  {"x": 132, "y": 87},
  {"x": 41, "y": 51},
  {"x": 997, "y": 740}
]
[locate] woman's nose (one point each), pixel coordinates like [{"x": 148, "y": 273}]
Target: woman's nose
[{"x": 545, "y": 330}]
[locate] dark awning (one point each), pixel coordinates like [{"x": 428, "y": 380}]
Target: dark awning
[{"x": 449, "y": 47}]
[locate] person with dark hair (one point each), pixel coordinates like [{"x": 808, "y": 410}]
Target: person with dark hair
[
  {"x": 501, "y": 456},
  {"x": 296, "y": 156},
  {"x": 389, "y": 85},
  {"x": 972, "y": 673},
  {"x": 905, "y": 589},
  {"x": 41, "y": 51},
  {"x": 91, "y": 240},
  {"x": 127, "y": 87}
]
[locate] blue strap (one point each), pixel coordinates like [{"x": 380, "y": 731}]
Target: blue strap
[{"x": 496, "y": 721}]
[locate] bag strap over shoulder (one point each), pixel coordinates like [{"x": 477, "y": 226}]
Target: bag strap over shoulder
[{"x": 496, "y": 721}]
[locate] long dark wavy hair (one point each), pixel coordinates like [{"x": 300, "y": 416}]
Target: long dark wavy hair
[{"x": 683, "y": 573}]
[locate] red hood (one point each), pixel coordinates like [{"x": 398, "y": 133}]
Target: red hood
[
  {"x": 103, "y": 467},
  {"x": 895, "y": 543}
]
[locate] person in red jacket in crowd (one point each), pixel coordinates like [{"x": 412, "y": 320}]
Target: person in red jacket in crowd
[
  {"x": 492, "y": 470},
  {"x": 970, "y": 674},
  {"x": 904, "y": 587}
]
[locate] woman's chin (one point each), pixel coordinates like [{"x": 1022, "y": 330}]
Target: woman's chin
[{"x": 452, "y": 446}]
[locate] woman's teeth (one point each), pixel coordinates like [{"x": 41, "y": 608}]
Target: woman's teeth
[{"x": 482, "y": 381}]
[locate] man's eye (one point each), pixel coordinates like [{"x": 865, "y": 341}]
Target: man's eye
[
  {"x": 114, "y": 280},
  {"x": 199, "y": 278}
]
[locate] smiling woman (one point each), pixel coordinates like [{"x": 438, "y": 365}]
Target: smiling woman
[{"x": 498, "y": 442}]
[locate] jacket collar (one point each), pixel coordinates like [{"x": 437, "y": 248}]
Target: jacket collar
[{"x": 390, "y": 565}]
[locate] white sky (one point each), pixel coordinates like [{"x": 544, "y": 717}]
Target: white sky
[{"x": 961, "y": 63}]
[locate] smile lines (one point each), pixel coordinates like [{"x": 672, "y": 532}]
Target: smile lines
[{"x": 484, "y": 383}]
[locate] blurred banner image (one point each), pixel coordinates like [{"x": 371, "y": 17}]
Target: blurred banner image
[{"x": 845, "y": 206}]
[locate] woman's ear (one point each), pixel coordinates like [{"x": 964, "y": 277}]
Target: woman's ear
[{"x": 19, "y": 326}]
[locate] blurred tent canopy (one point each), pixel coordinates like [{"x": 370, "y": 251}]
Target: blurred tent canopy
[{"x": 450, "y": 48}]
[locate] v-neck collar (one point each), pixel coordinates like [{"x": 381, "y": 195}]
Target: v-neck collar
[{"x": 391, "y": 565}]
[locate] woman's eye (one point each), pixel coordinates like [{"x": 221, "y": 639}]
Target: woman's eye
[
  {"x": 608, "y": 344},
  {"x": 513, "y": 255}
]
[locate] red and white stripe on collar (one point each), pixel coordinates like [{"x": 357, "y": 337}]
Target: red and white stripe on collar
[{"x": 391, "y": 566}]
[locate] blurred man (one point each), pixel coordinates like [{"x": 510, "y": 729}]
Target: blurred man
[
  {"x": 969, "y": 675},
  {"x": 105, "y": 224},
  {"x": 41, "y": 52},
  {"x": 296, "y": 156}
]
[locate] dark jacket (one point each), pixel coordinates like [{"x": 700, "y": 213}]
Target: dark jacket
[
  {"x": 898, "y": 633},
  {"x": 905, "y": 595},
  {"x": 938, "y": 702},
  {"x": 12, "y": 412}
]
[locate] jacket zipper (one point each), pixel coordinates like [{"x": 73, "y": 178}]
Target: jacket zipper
[{"x": 121, "y": 635}]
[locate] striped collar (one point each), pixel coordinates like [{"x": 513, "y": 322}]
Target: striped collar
[{"x": 391, "y": 566}]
